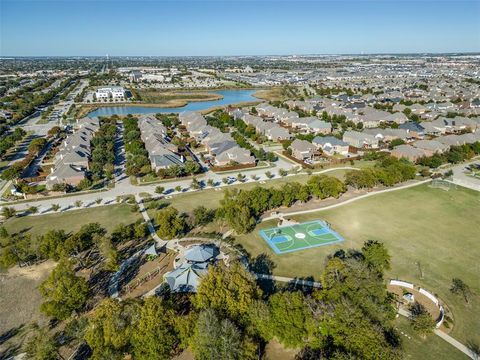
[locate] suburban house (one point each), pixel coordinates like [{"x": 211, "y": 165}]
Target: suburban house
[
  {"x": 303, "y": 150},
  {"x": 161, "y": 152},
  {"x": 360, "y": 140},
  {"x": 431, "y": 147},
  {"x": 73, "y": 155},
  {"x": 330, "y": 145},
  {"x": 408, "y": 152},
  {"x": 414, "y": 129},
  {"x": 387, "y": 135},
  {"x": 221, "y": 147}
]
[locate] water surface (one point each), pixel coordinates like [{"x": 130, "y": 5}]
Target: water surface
[{"x": 229, "y": 97}]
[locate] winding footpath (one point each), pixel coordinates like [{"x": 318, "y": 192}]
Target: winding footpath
[{"x": 457, "y": 344}]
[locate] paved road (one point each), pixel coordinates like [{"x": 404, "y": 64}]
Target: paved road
[
  {"x": 124, "y": 187},
  {"x": 462, "y": 179}
]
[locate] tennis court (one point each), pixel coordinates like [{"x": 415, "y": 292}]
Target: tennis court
[{"x": 297, "y": 237}]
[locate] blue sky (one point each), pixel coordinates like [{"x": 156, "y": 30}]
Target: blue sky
[{"x": 68, "y": 27}]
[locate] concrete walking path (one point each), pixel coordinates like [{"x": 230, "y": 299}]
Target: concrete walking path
[
  {"x": 289, "y": 280},
  {"x": 151, "y": 229},
  {"x": 457, "y": 344}
]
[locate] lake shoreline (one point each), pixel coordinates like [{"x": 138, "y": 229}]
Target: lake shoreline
[{"x": 242, "y": 97}]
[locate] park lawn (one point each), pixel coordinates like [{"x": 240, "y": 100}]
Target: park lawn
[
  {"x": 422, "y": 227},
  {"x": 108, "y": 217},
  {"x": 430, "y": 348}
]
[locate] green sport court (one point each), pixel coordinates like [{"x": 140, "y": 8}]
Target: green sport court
[{"x": 290, "y": 238}]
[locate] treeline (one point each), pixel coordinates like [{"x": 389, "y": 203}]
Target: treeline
[
  {"x": 231, "y": 317},
  {"x": 223, "y": 121},
  {"x": 7, "y": 142},
  {"x": 241, "y": 209},
  {"x": 137, "y": 156},
  {"x": 455, "y": 155},
  {"x": 138, "y": 163},
  {"x": 26, "y": 103},
  {"x": 103, "y": 153},
  {"x": 388, "y": 171},
  {"x": 259, "y": 154}
]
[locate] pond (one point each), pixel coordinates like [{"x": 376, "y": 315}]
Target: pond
[{"x": 229, "y": 97}]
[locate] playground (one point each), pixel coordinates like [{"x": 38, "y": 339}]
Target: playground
[{"x": 291, "y": 236}]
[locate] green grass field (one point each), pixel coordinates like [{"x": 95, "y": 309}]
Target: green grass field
[
  {"x": 432, "y": 347},
  {"x": 431, "y": 234},
  {"x": 108, "y": 216},
  {"x": 297, "y": 237}
]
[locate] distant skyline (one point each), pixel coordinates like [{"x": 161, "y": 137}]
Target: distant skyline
[{"x": 213, "y": 28}]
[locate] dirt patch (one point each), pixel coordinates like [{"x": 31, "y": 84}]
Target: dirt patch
[
  {"x": 275, "y": 351},
  {"x": 20, "y": 299}
]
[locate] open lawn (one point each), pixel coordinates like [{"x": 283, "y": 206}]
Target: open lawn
[
  {"x": 431, "y": 234},
  {"x": 430, "y": 348},
  {"x": 108, "y": 216}
]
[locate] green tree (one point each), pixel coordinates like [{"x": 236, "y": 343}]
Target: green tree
[
  {"x": 159, "y": 189},
  {"x": 217, "y": 338},
  {"x": 230, "y": 291},
  {"x": 154, "y": 336},
  {"x": 169, "y": 223},
  {"x": 290, "y": 318},
  {"x": 202, "y": 215},
  {"x": 42, "y": 346},
  {"x": 111, "y": 327},
  {"x": 63, "y": 291},
  {"x": 376, "y": 255},
  {"x": 421, "y": 321},
  {"x": 8, "y": 212},
  {"x": 460, "y": 288}
]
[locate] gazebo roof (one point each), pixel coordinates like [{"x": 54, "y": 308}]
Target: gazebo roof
[
  {"x": 201, "y": 253},
  {"x": 185, "y": 278}
]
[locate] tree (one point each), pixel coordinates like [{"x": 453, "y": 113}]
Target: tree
[
  {"x": 51, "y": 244},
  {"x": 159, "y": 189},
  {"x": 108, "y": 252},
  {"x": 376, "y": 255},
  {"x": 169, "y": 223},
  {"x": 178, "y": 188},
  {"x": 55, "y": 207},
  {"x": 210, "y": 182},
  {"x": 33, "y": 209},
  {"x": 421, "y": 321},
  {"x": 225, "y": 180},
  {"x": 42, "y": 346},
  {"x": 269, "y": 175},
  {"x": 154, "y": 336},
  {"x": 283, "y": 172},
  {"x": 110, "y": 328},
  {"x": 460, "y": 288},
  {"x": 8, "y": 212},
  {"x": 289, "y": 318},
  {"x": 36, "y": 145},
  {"x": 230, "y": 291},
  {"x": 63, "y": 291},
  {"x": 202, "y": 215},
  {"x": 215, "y": 338},
  {"x": 78, "y": 203},
  {"x": 191, "y": 167}
]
